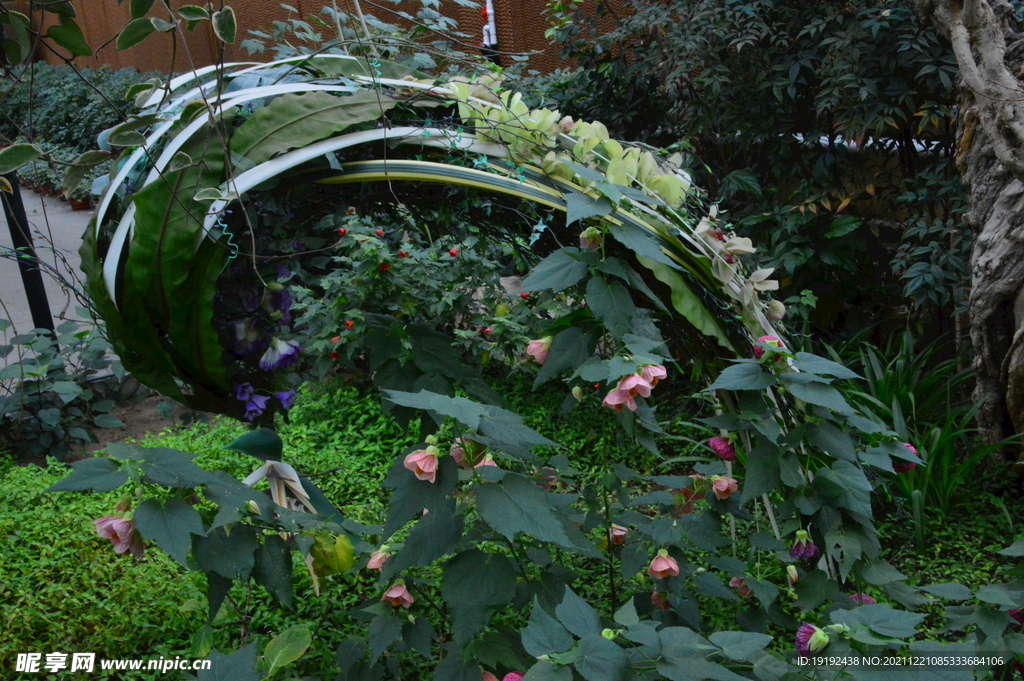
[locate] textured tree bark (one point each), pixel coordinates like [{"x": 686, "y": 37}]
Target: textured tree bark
[{"x": 990, "y": 157}]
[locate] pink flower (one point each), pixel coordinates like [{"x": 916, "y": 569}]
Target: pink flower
[
  {"x": 663, "y": 566},
  {"x": 660, "y": 600},
  {"x": 1017, "y": 614},
  {"x": 488, "y": 460},
  {"x": 723, "y": 486},
  {"x": 121, "y": 533},
  {"x": 514, "y": 676},
  {"x": 538, "y": 349},
  {"x": 906, "y": 466},
  {"x": 803, "y": 548},
  {"x": 377, "y": 559},
  {"x": 398, "y": 596},
  {"x": 742, "y": 589},
  {"x": 863, "y": 599},
  {"x": 810, "y": 639},
  {"x": 487, "y": 676},
  {"x": 634, "y": 385},
  {"x": 617, "y": 534},
  {"x": 723, "y": 448},
  {"x": 652, "y": 373},
  {"x": 617, "y": 399},
  {"x": 423, "y": 462},
  {"x": 770, "y": 341}
]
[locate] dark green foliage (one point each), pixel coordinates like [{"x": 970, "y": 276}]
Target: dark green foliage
[
  {"x": 67, "y": 110},
  {"x": 826, "y": 129}
]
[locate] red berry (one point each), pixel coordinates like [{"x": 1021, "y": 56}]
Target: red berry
[
  {"x": 403, "y": 254},
  {"x": 380, "y": 232},
  {"x": 349, "y": 325},
  {"x": 488, "y": 331},
  {"x": 454, "y": 252},
  {"x": 335, "y": 355},
  {"x": 336, "y": 339},
  {"x": 342, "y": 231},
  {"x": 384, "y": 267},
  {"x": 524, "y": 295}
]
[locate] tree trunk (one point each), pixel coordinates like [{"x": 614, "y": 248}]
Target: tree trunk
[{"x": 990, "y": 157}]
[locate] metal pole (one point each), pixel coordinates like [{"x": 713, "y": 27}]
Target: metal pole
[{"x": 28, "y": 263}]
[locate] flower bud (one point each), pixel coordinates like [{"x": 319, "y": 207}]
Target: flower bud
[
  {"x": 776, "y": 311},
  {"x": 577, "y": 392},
  {"x": 792, "y": 574},
  {"x": 609, "y": 634},
  {"x": 253, "y": 507}
]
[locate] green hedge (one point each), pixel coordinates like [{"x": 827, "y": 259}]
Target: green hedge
[{"x": 67, "y": 110}]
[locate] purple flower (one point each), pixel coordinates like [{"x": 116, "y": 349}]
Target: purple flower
[
  {"x": 723, "y": 448},
  {"x": 803, "y": 548},
  {"x": 863, "y": 599},
  {"x": 281, "y": 271},
  {"x": 279, "y": 355},
  {"x": 286, "y": 398},
  {"x": 248, "y": 299},
  {"x": 810, "y": 639},
  {"x": 244, "y": 392},
  {"x": 248, "y": 338},
  {"x": 255, "y": 406}
]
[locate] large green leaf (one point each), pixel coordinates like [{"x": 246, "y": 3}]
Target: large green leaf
[
  {"x": 134, "y": 339},
  {"x": 70, "y": 39},
  {"x": 557, "y": 272},
  {"x": 228, "y": 555},
  {"x": 17, "y": 155},
  {"x": 517, "y": 505},
  {"x": 577, "y": 615},
  {"x": 473, "y": 584},
  {"x": 274, "y": 569},
  {"x": 135, "y": 32},
  {"x": 298, "y": 120},
  {"x": 601, "y": 660},
  {"x": 171, "y": 525},
  {"x": 240, "y": 665},
  {"x": 569, "y": 349},
  {"x": 433, "y": 536},
  {"x": 543, "y": 634},
  {"x": 744, "y": 376},
  {"x": 881, "y": 619},
  {"x": 686, "y": 303},
  {"x": 99, "y": 474},
  {"x": 18, "y": 43},
  {"x": 225, "y": 26},
  {"x": 262, "y": 443},
  {"x": 611, "y": 303},
  {"x": 412, "y": 495},
  {"x": 167, "y": 283},
  {"x": 286, "y": 647}
]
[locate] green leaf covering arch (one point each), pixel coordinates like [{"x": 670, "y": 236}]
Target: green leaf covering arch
[{"x": 155, "y": 249}]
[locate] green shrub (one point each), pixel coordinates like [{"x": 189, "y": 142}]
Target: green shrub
[{"x": 58, "y": 106}]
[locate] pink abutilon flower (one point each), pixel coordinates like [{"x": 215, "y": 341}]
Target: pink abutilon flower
[
  {"x": 741, "y": 588},
  {"x": 810, "y": 639},
  {"x": 723, "y": 448},
  {"x": 514, "y": 676},
  {"x": 652, "y": 373},
  {"x": 663, "y": 566},
  {"x": 863, "y": 599},
  {"x": 538, "y": 349},
  {"x": 767, "y": 340},
  {"x": 660, "y": 600},
  {"x": 488, "y": 460},
  {"x": 591, "y": 239},
  {"x": 617, "y": 399},
  {"x": 398, "y": 596},
  {"x": 634, "y": 384},
  {"x": 723, "y": 486},
  {"x": 803, "y": 548},
  {"x": 617, "y": 534},
  {"x": 1017, "y": 614},
  {"x": 487, "y": 676},
  {"x": 377, "y": 559},
  {"x": 906, "y": 466},
  {"x": 121, "y": 533},
  {"x": 423, "y": 462}
]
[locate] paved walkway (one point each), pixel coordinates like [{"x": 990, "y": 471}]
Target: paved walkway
[{"x": 56, "y": 234}]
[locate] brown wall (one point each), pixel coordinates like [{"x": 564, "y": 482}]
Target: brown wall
[{"x": 520, "y": 24}]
